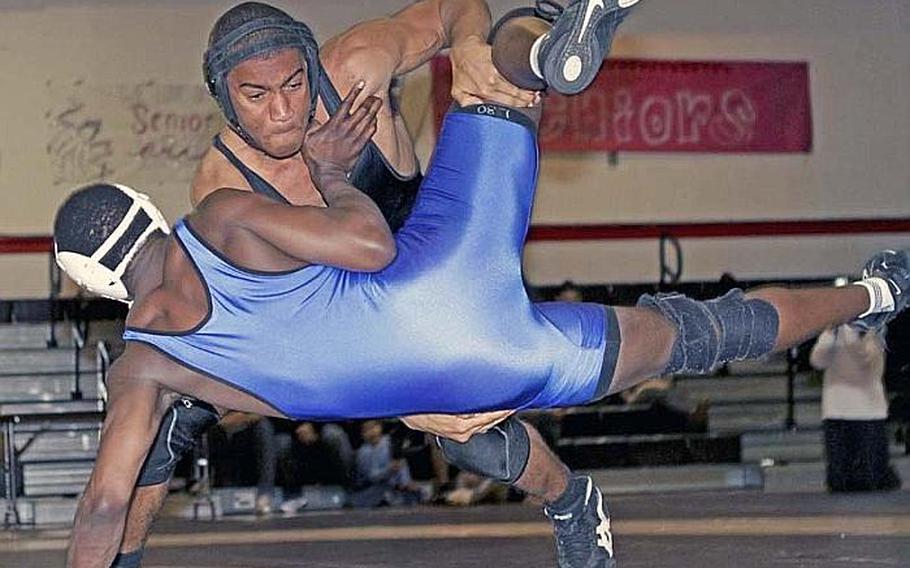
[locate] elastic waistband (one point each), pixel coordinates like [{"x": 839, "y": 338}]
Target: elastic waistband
[{"x": 498, "y": 111}]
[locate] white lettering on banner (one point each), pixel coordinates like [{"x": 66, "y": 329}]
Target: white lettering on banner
[
  {"x": 656, "y": 120},
  {"x": 694, "y": 115},
  {"x": 680, "y": 118},
  {"x": 736, "y": 122},
  {"x": 623, "y": 112}
]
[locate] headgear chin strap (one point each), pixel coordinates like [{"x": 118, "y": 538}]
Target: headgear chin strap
[
  {"x": 102, "y": 271},
  {"x": 258, "y": 37}
]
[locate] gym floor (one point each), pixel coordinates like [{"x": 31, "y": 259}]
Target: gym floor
[{"x": 712, "y": 530}]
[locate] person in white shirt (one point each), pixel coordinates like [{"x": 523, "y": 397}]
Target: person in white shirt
[{"x": 854, "y": 409}]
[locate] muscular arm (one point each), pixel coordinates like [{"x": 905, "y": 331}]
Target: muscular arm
[
  {"x": 379, "y": 50},
  {"x": 134, "y": 411},
  {"x": 350, "y": 232}
]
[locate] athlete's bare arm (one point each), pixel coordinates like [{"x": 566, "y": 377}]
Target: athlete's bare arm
[
  {"x": 349, "y": 233},
  {"x": 379, "y": 50}
]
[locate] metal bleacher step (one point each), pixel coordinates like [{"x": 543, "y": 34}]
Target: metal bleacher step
[
  {"x": 596, "y": 452},
  {"x": 43, "y": 360},
  {"x": 782, "y": 446},
  {"x": 20, "y": 335},
  {"x": 47, "y": 511},
  {"x": 695, "y": 477},
  {"x": 775, "y": 364},
  {"x": 751, "y": 388},
  {"x": 53, "y": 415},
  {"x": 803, "y": 477},
  {"x": 60, "y": 478},
  {"x": 30, "y": 388},
  {"x": 618, "y": 420},
  {"x": 761, "y": 417}
]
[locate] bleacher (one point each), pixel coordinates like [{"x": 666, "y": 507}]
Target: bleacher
[{"x": 51, "y": 405}]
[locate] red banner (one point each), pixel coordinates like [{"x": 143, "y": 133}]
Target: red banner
[{"x": 674, "y": 106}]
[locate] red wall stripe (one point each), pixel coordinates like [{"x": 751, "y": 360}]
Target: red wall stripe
[
  {"x": 25, "y": 244},
  {"x": 709, "y": 230},
  {"x": 43, "y": 244}
]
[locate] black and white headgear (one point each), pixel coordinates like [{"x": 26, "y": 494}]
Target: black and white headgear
[
  {"x": 97, "y": 232},
  {"x": 249, "y": 30}
]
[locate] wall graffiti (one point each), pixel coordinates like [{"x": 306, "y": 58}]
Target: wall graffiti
[
  {"x": 171, "y": 125},
  {"x": 147, "y": 133},
  {"x": 79, "y": 148}
]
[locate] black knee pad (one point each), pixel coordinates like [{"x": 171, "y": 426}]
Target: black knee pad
[
  {"x": 181, "y": 426},
  {"x": 729, "y": 328},
  {"x": 501, "y": 453}
]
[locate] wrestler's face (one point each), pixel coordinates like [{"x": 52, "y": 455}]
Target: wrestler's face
[{"x": 272, "y": 100}]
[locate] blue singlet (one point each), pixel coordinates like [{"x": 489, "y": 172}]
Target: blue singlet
[{"x": 447, "y": 327}]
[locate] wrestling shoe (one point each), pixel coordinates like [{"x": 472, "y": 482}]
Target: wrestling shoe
[
  {"x": 582, "y": 527},
  {"x": 886, "y": 274},
  {"x": 570, "y": 55}
]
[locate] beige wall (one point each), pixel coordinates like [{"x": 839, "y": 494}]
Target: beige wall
[{"x": 83, "y": 81}]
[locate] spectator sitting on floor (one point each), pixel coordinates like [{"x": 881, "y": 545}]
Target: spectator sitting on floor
[
  {"x": 473, "y": 489},
  {"x": 379, "y": 477}
]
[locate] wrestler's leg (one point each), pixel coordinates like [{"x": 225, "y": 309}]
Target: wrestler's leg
[
  {"x": 545, "y": 476},
  {"x": 187, "y": 419},
  {"x": 778, "y": 318},
  {"x": 144, "y": 508}
]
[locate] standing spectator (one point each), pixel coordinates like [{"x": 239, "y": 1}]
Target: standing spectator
[{"x": 854, "y": 410}]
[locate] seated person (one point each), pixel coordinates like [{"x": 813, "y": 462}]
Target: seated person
[{"x": 380, "y": 478}]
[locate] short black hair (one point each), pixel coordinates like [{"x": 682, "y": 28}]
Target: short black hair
[{"x": 90, "y": 215}]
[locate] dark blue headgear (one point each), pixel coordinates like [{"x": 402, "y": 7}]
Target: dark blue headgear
[{"x": 266, "y": 31}]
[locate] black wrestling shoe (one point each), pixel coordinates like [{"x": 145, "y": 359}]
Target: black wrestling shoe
[
  {"x": 892, "y": 267},
  {"x": 582, "y": 528},
  {"x": 571, "y": 54}
]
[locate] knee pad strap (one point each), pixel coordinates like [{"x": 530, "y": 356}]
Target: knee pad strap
[
  {"x": 729, "y": 328},
  {"x": 501, "y": 453}
]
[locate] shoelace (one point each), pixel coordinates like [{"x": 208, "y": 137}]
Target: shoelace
[{"x": 575, "y": 537}]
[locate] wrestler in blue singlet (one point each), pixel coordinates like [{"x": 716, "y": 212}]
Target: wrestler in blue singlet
[{"x": 447, "y": 327}]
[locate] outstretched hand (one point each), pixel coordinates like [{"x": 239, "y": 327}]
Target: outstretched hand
[
  {"x": 476, "y": 80},
  {"x": 458, "y": 427},
  {"x": 332, "y": 148}
]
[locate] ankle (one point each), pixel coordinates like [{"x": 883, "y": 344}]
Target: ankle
[
  {"x": 881, "y": 299},
  {"x": 576, "y": 488}
]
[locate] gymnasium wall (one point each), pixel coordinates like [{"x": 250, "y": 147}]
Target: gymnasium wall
[{"x": 113, "y": 89}]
